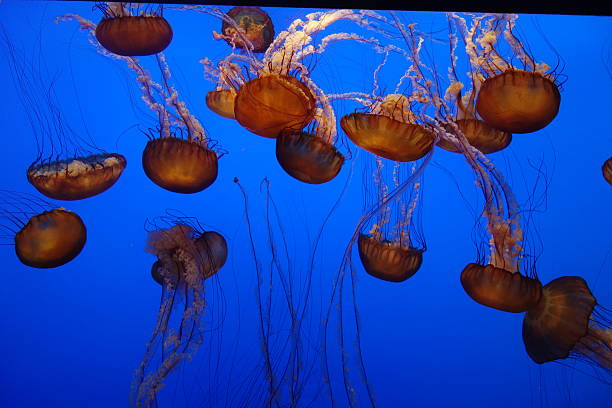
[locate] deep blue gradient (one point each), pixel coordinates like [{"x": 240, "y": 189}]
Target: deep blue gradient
[{"x": 73, "y": 336}]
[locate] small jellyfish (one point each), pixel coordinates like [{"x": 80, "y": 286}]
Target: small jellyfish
[
  {"x": 568, "y": 322},
  {"x": 606, "y": 170},
  {"x": 392, "y": 249},
  {"x": 477, "y": 132},
  {"x": 69, "y": 166},
  {"x": 129, "y": 29},
  {"x": 186, "y": 257},
  {"x": 43, "y": 236},
  {"x": 221, "y": 102},
  {"x": 512, "y": 99},
  {"x": 254, "y": 26},
  {"x": 178, "y": 156}
]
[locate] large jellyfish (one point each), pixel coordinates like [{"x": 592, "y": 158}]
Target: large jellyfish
[
  {"x": 568, "y": 322},
  {"x": 69, "y": 165},
  {"x": 178, "y": 157},
  {"x": 44, "y": 235},
  {"x": 132, "y": 29},
  {"x": 509, "y": 98},
  {"x": 187, "y": 255}
]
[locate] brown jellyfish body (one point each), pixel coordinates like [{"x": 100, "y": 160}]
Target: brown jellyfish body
[
  {"x": 388, "y": 261},
  {"x": 273, "y": 103},
  {"x": 50, "y": 239},
  {"x": 179, "y": 165},
  {"x": 553, "y": 328},
  {"x": 253, "y": 23},
  {"x": 500, "y": 289},
  {"x": 213, "y": 250},
  {"x": 518, "y": 101},
  {"x": 606, "y": 170},
  {"x": 134, "y": 35},
  {"x": 387, "y": 137},
  {"x": 166, "y": 274},
  {"x": 222, "y": 102},
  {"x": 308, "y": 158},
  {"x": 78, "y": 178},
  {"x": 480, "y": 135}
]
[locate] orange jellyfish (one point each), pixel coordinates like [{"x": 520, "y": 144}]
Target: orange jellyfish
[
  {"x": 513, "y": 99},
  {"x": 69, "y": 166},
  {"x": 178, "y": 156},
  {"x": 392, "y": 248},
  {"x": 568, "y": 322},
  {"x": 390, "y": 130},
  {"x": 43, "y": 236},
  {"x": 394, "y": 126},
  {"x": 76, "y": 178},
  {"x": 477, "y": 132},
  {"x": 129, "y": 29},
  {"x": 496, "y": 282},
  {"x": 227, "y": 74},
  {"x": 606, "y": 170},
  {"x": 254, "y": 25},
  {"x": 186, "y": 256}
]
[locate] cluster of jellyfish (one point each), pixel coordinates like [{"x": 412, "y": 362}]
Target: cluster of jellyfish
[{"x": 264, "y": 84}]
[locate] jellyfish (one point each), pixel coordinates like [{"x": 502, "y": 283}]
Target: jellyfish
[
  {"x": 187, "y": 255},
  {"x": 606, "y": 170},
  {"x": 44, "y": 235},
  {"x": 392, "y": 248},
  {"x": 131, "y": 29},
  {"x": 568, "y": 322},
  {"x": 178, "y": 157},
  {"x": 253, "y": 23},
  {"x": 512, "y": 99},
  {"x": 69, "y": 166}
]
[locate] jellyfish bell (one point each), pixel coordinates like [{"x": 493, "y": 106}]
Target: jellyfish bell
[
  {"x": 387, "y": 260},
  {"x": 500, "y": 289},
  {"x": 78, "y": 178},
  {"x": 43, "y": 234},
  {"x": 222, "y": 102},
  {"x": 273, "y": 103},
  {"x": 565, "y": 322},
  {"x": 212, "y": 247},
  {"x": 386, "y": 132},
  {"x": 180, "y": 165},
  {"x": 212, "y": 254},
  {"x": 307, "y": 157},
  {"x": 123, "y": 33},
  {"x": 51, "y": 239},
  {"x": 606, "y": 170},
  {"x": 479, "y": 134},
  {"x": 253, "y": 24},
  {"x": 518, "y": 101}
]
